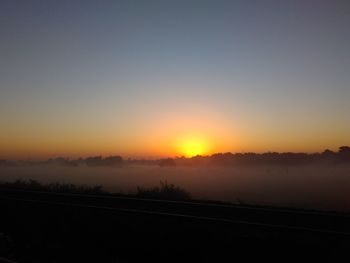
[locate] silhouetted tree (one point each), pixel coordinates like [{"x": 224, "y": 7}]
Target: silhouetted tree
[
  {"x": 99, "y": 161},
  {"x": 113, "y": 161},
  {"x": 344, "y": 154}
]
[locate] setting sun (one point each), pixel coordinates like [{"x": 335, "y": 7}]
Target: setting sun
[{"x": 192, "y": 146}]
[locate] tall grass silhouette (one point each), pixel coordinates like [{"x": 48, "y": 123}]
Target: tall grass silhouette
[{"x": 164, "y": 191}]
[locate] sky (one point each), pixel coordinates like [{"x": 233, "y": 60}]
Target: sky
[{"x": 148, "y": 79}]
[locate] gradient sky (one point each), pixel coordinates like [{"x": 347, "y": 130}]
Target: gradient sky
[{"x": 135, "y": 77}]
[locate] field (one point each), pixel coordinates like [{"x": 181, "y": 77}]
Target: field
[{"x": 323, "y": 187}]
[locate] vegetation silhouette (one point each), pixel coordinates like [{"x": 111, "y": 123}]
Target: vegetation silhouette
[
  {"x": 165, "y": 191},
  {"x": 342, "y": 156},
  {"x": 57, "y": 187},
  {"x": 99, "y": 161},
  {"x": 269, "y": 158}
]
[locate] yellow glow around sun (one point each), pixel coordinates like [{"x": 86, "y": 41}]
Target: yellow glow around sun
[{"x": 192, "y": 145}]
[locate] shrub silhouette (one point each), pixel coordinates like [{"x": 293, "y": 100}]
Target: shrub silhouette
[
  {"x": 34, "y": 185},
  {"x": 165, "y": 191},
  {"x": 344, "y": 154}
]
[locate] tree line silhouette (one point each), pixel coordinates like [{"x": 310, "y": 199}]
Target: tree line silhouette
[
  {"x": 94, "y": 161},
  {"x": 217, "y": 159},
  {"x": 268, "y": 158}
]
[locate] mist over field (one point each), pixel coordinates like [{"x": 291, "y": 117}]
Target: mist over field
[{"x": 314, "y": 186}]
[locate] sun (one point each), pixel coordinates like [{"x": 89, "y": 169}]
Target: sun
[{"x": 190, "y": 146}]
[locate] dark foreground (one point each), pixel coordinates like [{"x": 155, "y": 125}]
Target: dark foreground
[{"x": 48, "y": 227}]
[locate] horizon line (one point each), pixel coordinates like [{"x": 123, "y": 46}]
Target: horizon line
[{"x": 125, "y": 157}]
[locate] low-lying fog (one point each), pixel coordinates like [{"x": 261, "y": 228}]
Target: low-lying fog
[{"x": 320, "y": 187}]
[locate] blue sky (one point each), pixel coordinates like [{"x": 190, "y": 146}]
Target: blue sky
[{"x": 272, "y": 75}]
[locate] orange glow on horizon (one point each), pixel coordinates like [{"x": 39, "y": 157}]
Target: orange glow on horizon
[{"x": 192, "y": 145}]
